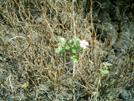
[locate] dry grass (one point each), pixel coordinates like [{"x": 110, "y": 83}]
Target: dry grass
[{"x": 28, "y": 33}]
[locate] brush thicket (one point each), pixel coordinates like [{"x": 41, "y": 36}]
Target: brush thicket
[{"x": 28, "y": 33}]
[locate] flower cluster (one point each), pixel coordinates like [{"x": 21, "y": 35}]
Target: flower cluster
[{"x": 84, "y": 44}]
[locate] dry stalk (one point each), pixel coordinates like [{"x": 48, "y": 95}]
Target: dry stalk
[{"x": 74, "y": 64}]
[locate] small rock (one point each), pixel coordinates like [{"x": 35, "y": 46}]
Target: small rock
[
  {"x": 124, "y": 94},
  {"x": 38, "y": 20}
]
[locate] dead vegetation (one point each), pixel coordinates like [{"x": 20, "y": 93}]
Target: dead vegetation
[{"x": 30, "y": 68}]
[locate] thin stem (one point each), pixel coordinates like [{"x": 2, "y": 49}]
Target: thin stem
[
  {"x": 74, "y": 82},
  {"x": 74, "y": 31},
  {"x": 73, "y": 18},
  {"x": 97, "y": 92},
  {"x": 93, "y": 32}
]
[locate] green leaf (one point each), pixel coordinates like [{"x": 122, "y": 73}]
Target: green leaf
[
  {"x": 70, "y": 42},
  {"x": 103, "y": 72},
  {"x": 25, "y": 85},
  {"x": 74, "y": 58},
  {"x": 67, "y": 47},
  {"x": 59, "y": 50},
  {"x": 107, "y": 64},
  {"x": 61, "y": 44},
  {"x": 110, "y": 97},
  {"x": 76, "y": 41},
  {"x": 61, "y": 39},
  {"x": 73, "y": 51},
  {"x": 105, "y": 83}
]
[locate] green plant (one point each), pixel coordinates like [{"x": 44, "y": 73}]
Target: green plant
[
  {"x": 105, "y": 70},
  {"x": 109, "y": 84},
  {"x": 24, "y": 85},
  {"x": 71, "y": 47}
]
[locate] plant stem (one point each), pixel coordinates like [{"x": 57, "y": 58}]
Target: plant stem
[
  {"x": 74, "y": 31},
  {"x": 73, "y": 18},
  {"x": 74, "y": 81},
  {"x": 97, "y": 90}
]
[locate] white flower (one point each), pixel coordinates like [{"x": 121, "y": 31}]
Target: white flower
[
  {"x": 84, "y": 44},
  {"x": 63, "y": 39}
]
